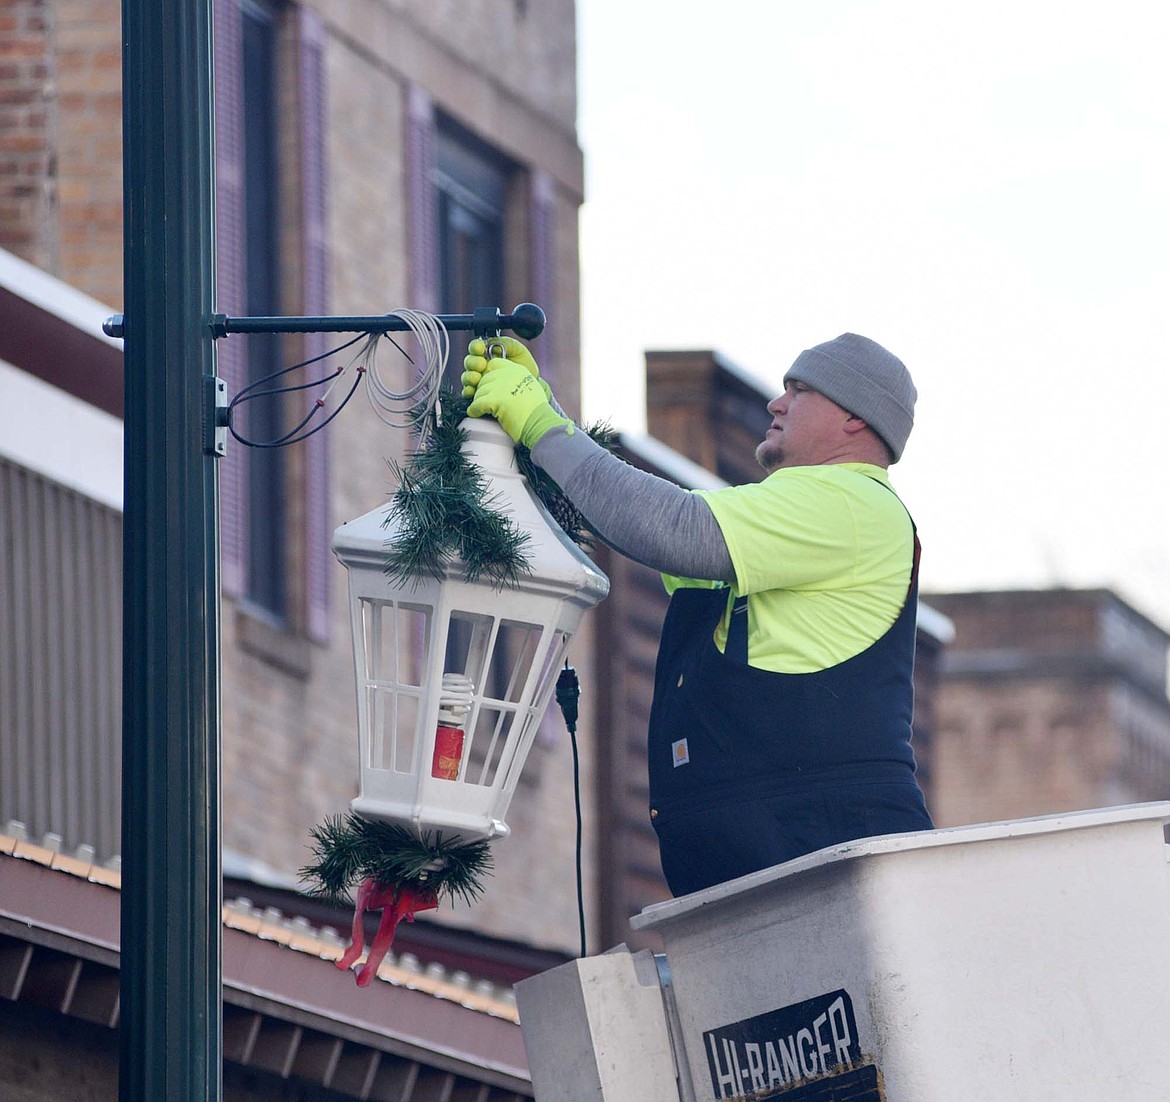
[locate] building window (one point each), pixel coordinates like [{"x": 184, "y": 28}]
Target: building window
[
  {"x": 471, "y": 187},
  {"x": 482, "y": 235},
  {"x": 272, "y": 260}
]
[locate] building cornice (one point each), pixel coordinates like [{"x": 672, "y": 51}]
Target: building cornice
[{"x": 54, "y": 332}]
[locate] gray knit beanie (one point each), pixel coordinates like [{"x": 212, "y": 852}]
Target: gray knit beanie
[{"x": 863, "y": 378}]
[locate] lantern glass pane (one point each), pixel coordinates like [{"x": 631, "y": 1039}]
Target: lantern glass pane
[
  {"x": 469, "y": 640},
  {"x": 406, "y": 732},
  {"x": 394, "y": 717},
  {"x": 512, "y": 659},
  {"x": 397, "y": 641},
  {"x": 489, "y": 741}
]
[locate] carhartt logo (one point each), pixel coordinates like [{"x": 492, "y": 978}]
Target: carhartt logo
[{"x": 679, "y": 752}]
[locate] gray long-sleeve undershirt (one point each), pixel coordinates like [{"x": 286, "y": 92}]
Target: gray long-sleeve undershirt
[{"x": 646, "y": 518}]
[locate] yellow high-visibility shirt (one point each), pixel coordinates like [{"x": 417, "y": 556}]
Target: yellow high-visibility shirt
[{"x": 824, "y": 556}]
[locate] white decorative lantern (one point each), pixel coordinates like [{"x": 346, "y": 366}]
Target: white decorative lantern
[{"x": 453, "y": 677}]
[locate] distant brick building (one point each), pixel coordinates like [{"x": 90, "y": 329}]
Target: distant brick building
[{"x": 1049, "y": 700}]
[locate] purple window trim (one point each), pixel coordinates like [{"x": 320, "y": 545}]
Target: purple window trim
[
  {"x": 542, "y": 271},
  {"x": 318, "y": 556},
  {"x": 230, "y": 289},
  {"x": 421, "y": 200}
]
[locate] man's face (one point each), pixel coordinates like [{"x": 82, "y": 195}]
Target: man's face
[{"x": 807, "y": 430}]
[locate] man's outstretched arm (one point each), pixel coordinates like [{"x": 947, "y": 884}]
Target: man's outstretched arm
[{"x": 648, "y": 519}]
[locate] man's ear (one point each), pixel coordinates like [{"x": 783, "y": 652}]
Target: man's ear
[{"x": 855, "y": 424}]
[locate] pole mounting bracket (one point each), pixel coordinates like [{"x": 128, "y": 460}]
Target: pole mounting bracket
[{"x": 215, "y": 416}]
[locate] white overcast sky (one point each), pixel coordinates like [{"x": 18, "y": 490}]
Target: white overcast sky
[{"x": 983, "y": 188}]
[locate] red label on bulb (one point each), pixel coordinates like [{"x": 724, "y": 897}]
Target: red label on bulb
[{"x": 448, "y": 753}]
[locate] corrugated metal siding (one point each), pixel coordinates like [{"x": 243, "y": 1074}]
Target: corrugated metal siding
[{"x": 60, "y": 661}]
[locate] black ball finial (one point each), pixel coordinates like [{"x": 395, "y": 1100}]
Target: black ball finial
[{"x": 527, "y": 321}]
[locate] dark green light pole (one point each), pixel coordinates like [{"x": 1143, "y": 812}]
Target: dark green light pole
[{"x": 171, "y": 1017}]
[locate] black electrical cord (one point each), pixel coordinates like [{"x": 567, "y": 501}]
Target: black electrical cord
[
  {"x": 568, "y": 693},
  {"x": 279, "y": 373},
  {"x": 251, "y": 392},
  {"x": 296, "y": 434}
]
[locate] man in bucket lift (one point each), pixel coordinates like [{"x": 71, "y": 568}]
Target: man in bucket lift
[{"x": 783, "y": 693}]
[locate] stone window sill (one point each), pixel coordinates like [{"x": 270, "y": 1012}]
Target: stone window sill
[{"x": 260, "y": 635}]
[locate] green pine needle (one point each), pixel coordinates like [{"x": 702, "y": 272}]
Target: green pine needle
[
  {"x": 563, "y": 511},
  {"x": 350, "y": 848},
  {"x": 443, "y": 512}
]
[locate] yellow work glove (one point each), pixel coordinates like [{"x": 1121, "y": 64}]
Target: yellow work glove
[
  {"x": 509, "y": 392},
  {"x": 475, "y": 362}
]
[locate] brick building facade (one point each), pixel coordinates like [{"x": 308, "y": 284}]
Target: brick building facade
[
  {"x": 60, "y": 133},
  {"x": 369, "y": 157}
]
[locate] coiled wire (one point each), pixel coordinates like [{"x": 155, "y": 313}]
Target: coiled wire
[
  {"x": 399, "y": 409},
  {"x": 404, "y": 409}
]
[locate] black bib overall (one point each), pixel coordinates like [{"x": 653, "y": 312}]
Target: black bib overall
[{"x": 750, "y": 768}]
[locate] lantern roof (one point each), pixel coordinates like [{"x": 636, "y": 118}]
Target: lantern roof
[{"x": 555, "y": 563}]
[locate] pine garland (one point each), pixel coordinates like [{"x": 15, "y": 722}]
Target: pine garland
[
  {"x": 350, "y": 848},
  {"x": 443, "y": 511}
]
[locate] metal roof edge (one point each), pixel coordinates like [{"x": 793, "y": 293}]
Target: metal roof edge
[
  {"x": 54, "y": 296},
  {"x": 44, "y": 904},
  {"x": 675, "y": 466}
]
